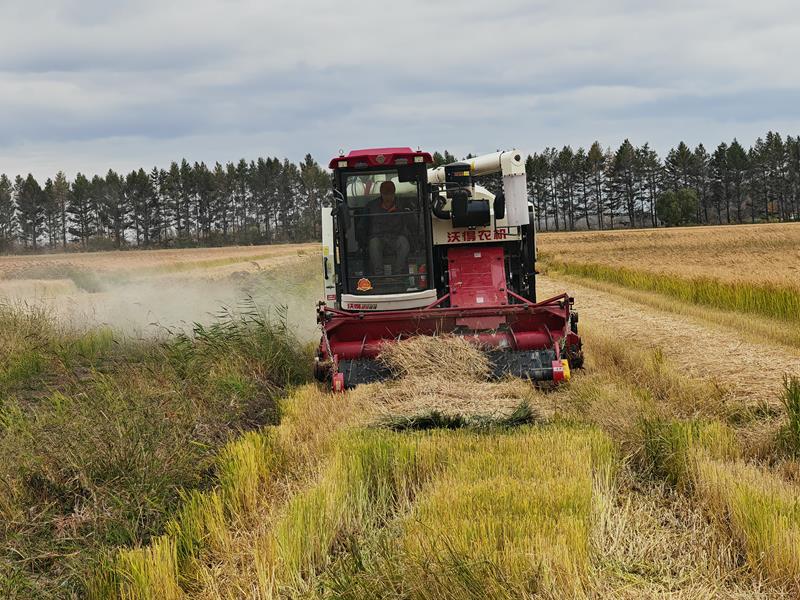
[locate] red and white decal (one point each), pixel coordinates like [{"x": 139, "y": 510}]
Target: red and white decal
[{"x": 477, "y": 235}]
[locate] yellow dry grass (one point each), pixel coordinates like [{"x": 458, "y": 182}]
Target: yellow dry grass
[
  {"x": 750, "y": 371},
  {"x": 767, "y": 253},
  {"x": 521, "y": 526},
  {"x": 761, "y": 511}
]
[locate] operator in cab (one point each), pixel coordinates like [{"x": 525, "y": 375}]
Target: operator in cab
[{"x": 388, "y": 232}]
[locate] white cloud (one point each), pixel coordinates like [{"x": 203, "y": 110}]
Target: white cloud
[{"x": 90, "y": 84}]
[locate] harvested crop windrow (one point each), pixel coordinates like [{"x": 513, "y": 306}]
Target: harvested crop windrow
[
  {"x": 448, "y": 376},
  {"x": 448, "y": 357},
  {"x": 414, "y": 396}
]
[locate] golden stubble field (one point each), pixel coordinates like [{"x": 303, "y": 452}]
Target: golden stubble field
[
  {"x": 753, "y": 253},
  {"x": 205, "y": 260}
]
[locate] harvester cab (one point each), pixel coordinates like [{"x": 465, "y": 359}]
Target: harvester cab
[{"x": 412, "y": 250}]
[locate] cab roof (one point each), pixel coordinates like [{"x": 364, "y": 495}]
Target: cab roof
[{"x": 380, "y": 157}]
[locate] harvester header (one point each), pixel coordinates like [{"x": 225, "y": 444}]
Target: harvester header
[{"x": 410, "y": 250}]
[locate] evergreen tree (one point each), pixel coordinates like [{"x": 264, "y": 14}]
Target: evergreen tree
[
  {"x": 205, "y": 197},
  {"x": 171, "y": 193},
  {"x": 678, "y": 167},
  {"x": 114, "y": 207},
  {"x": 757, "y": 181},
  {"x": 97, "y": 193},
  {"x": 156, "y": 210},
  {"x": 138, "y": 196},
  {"x": 538, "y": 171},
  {"x": 52, "y": 215},
  {"x": 550, "y": 155},
  {"x": 288, "y": 190},
  {"x": 596, "y": 162},
  {"x": 240, "y": 175},
  {"x": 624, "y": 180},
  {"x": 186, "y": 199},
  {"x": 80, "y": 207},
  {"x": 651, "y": 176},
  {"x": 583, "y": 197},
  {"x": 564, "y": 167},
  {"x": 721, "y": 182},
  {"x": 738, "y": 167},
  {"x": 776, "y": 176},
  {"x": 315, "y": 184},
  {"x": 793, "y": 176},
  {"x": 701, "y": 180},
  {"x": 221, "y": 208},
  {"x": 60, "y": 198},
  {"x": 31, "y": 209},
  {"x": 8, "y": 217}
]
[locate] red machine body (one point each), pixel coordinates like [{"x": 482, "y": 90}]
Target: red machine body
[{"x": 484, "y": 292}]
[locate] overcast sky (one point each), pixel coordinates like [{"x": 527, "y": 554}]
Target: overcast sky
[{"x": 89, "y": 85}]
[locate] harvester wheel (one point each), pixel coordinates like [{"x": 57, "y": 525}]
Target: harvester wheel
[{"x": 322, "y": 370}]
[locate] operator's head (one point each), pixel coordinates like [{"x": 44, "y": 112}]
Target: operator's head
[{"x": 387, "y": 192}]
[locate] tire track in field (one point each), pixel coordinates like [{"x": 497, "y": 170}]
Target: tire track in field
[{"x": 750, "y": 371}]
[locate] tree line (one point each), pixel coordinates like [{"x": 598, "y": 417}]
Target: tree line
[
  {"x": 633, "y": 187},
  {"x": 272, "y": 200},
  {"x": 262, "y": 201}
]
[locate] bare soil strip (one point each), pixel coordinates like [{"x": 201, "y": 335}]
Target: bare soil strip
[{"x": 751, "y": 372}]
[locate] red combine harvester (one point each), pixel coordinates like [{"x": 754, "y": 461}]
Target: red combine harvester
[{"x": 409, "y": 250}]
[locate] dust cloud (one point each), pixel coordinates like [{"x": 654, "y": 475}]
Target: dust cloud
[{"x": 145, "y": 305}]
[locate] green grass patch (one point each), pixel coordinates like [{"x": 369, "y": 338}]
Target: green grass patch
[
  {"x": 524, "y": 414},
  {"x": 103, "y": 437},
  {"x": 669, "y": 447},
  {"x": 250, "y": 474},
  {"x": 789, "y": 436}
]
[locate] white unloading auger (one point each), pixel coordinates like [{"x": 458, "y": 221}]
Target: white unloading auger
[{"x": 511, "y": 164}]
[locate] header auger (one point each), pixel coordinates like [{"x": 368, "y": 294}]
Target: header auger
[{"x": 409, "y": 250}]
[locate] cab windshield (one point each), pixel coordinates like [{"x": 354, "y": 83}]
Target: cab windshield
[{"x": 386, "y": 251}]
